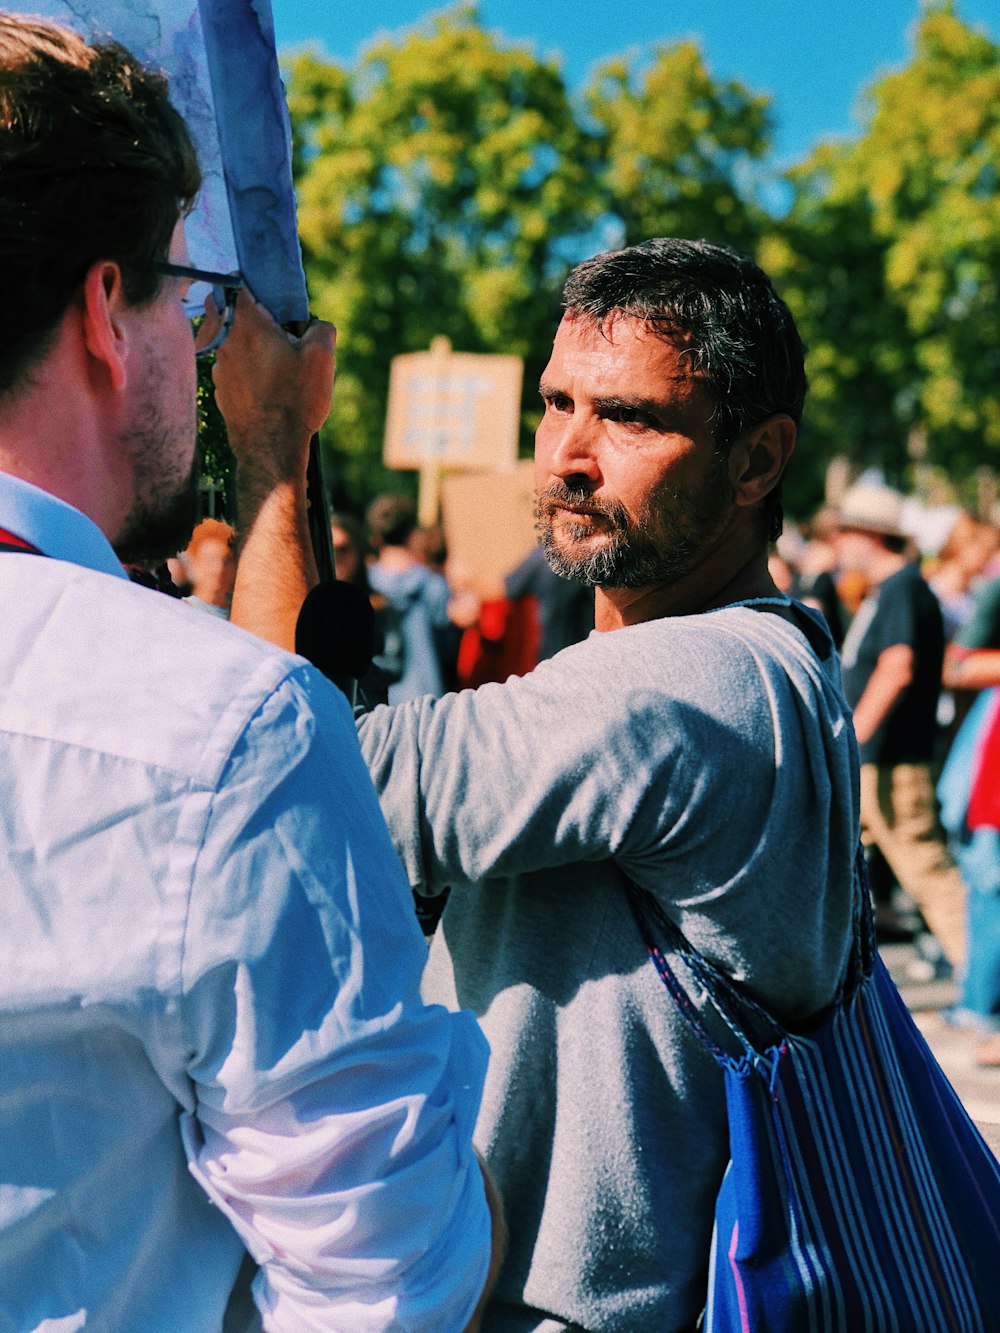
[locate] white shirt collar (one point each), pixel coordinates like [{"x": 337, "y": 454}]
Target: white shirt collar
[{"x": 56, "y": 528}]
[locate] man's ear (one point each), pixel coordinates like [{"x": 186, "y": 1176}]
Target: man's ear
[
  {"x": 759, "y": 457},
  {"x": 105, "y": 332}
]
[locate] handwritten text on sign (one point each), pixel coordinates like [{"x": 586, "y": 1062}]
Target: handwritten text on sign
[{"x": 456, "y": 410}]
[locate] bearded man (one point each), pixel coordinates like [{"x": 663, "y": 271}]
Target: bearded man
[{"x": 696, "y": 744}]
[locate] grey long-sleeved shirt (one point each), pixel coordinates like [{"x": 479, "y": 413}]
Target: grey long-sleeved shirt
[{"x": 709, "y": 757}]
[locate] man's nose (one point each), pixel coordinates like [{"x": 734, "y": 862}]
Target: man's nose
[{"x": 572, "y": 454}]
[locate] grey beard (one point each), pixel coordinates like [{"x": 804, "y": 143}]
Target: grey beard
[
  {"x": 628, "y": 560},
  {"x": 637, "y": 552}
]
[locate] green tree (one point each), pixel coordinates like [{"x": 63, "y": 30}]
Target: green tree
[
  {"x": 890, "y": 257},
  {"x": 829, "y": 265},
  {"x": 442, "y": 183},
  {"x": 931, "y": 161},
  {"x": 681, "y": 150},
  {"x": 447, "y": 182},
  {"x": 216, "y": 466}
]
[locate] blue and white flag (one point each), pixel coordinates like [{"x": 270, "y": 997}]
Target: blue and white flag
[{"x": 220, "y": 59}]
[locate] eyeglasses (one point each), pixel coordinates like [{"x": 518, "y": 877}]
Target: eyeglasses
[{"x": 222, "y": 287}]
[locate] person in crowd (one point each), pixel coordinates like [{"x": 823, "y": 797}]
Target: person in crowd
[
  {"x": 428, "y": 544},
  {"x": 350, "y": 549},
  {"x": 565, "y": 607},
  {"x": 350, "y": 555},
  {"x": 514, "y": 622},
  {"x": 210, "y": 559},
  {"x": 698, "y": 744},
  {"x": 970, "y": 791},
  {"x": 418, "y": 595},
  {"x": 817, "y": 571},
  {"x": 967, "y": 550},
  {"x": 211, "y": 1036},
  {"x": 892, "y": 657}
]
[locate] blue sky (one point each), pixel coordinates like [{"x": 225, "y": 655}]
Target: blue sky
[{"x": 812, "y": 56}]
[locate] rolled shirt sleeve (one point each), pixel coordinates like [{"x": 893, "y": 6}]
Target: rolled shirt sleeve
[{"x": 334, "y": 1110}]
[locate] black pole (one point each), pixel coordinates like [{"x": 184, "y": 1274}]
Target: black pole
[{"x": 319, "y": 515}]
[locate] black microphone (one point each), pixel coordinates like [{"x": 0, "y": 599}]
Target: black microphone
[{"x": 335, "y": 631}]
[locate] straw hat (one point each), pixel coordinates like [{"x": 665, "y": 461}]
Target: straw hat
[{"x": 866, "y": 508}]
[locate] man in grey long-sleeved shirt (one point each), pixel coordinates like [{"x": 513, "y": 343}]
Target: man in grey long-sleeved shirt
[{"x": 698, "y": 743}]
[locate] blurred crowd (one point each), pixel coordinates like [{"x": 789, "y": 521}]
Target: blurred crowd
[
  {"x": 441, "y": 626},
  {"x": 912, "y": 596}
]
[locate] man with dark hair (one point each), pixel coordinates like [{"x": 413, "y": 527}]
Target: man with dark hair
[
  {"x": 210, "y": 561},
  {"x": 211, "y": 1035},
  {"x": 737, "y": 332},
  {"x": 416, "y": 595},
  {"x": 697, "y": 744},
  {"x": 98, "y": 162},
  {"x": 892, "y": 660}
]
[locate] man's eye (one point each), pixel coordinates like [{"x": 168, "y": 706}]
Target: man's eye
[
  {"x": 633, "y": 416},
  {"x": 558, "y": 402}
]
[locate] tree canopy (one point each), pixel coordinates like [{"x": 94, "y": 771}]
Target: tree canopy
[
  {"x": 678, "y": 148},
  {"x": 448, "y": 179},
  {"x": 890, "y": 258},
  {"x": 442, "y": 183}
]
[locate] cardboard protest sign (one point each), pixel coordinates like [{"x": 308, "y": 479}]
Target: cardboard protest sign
[
  {"x": 453, "y": 409},
  {"x": 489, "y": 519}
]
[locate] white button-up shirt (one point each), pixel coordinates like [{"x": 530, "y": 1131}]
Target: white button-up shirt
[{"x": 211, "y": 1035}]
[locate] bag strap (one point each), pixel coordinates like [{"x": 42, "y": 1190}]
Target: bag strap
[
  {"x": 645, "y": 909},
  {"x": 738, "y": 1011}
]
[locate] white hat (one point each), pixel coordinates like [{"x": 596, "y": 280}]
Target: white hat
[{"x": 873, "y": 509}]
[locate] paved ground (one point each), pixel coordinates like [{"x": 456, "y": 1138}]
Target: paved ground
[{"x": 953, "y": 1047}]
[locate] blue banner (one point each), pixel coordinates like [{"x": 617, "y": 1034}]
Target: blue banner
[{"x": 219, "y": 56}]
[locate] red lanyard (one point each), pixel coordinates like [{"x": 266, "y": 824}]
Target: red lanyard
[{"x": 10, "y": 542}]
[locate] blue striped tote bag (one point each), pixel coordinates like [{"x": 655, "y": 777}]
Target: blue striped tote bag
[{"x": 859, "y": 1196}]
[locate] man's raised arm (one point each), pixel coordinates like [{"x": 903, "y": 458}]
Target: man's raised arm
[{"x": 274, "y": 391}]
